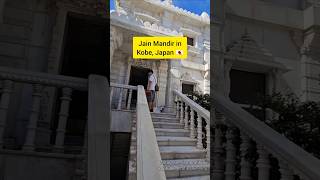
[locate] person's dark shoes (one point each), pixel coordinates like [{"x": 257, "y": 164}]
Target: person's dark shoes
[{"x": 151, "y": 110}]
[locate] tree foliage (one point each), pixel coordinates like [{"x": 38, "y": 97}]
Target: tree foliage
[
  {"x": 201, "y": 99},
  {"x": 298, "y": 121}
]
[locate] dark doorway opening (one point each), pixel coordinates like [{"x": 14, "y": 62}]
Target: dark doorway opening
[
  {"x": 138, "y": 76},
  {"x": 187, "y": 88},
  {"x": 85, "y": 52},
  {"x": 247, "y": 88}
]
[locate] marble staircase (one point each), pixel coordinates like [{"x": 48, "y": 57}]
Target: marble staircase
[{"x": 180, "y": 156}]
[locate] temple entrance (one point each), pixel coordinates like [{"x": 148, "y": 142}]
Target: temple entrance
[
  {"x": 246, "y": 88},
  {"x": 138, "y": 76}
]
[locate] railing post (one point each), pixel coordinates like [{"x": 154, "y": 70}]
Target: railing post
[
  {"x": 218, "y": 167},
  {"x": 111, "y": 96},
  {"x": 120, "y": 99},
  {"x": 186, "y": 117},
  {"x": 263, "y": 163},
  {"x": 34, "y": 117},
  {"x": 129, "y": 99},
  {"x": 192, "y": 123},
  {"x": 230, "y": 172},
  {"x": 4, "y": 105},
  {"x": 181, "y": 113},
  {"x": 208, "y": 138},
  {"x": 245, "y": 164},
  {"x": 63, "y": 118},
  {"x": 177, "y": 108},
  {"x": 286, "y": 173},
  {"x": 199, "y": 133}
]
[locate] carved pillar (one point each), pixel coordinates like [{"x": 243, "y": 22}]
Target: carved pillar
[
  {"x": 186, "y": 117},
  {"x": 218, "y": 165},
  {"x": 207, "y": 68},
  {"x": 169, "y": 94},
  {"x": 208, "y": 135},
  {"x": 199, "y": 132},
  {"x": 310, "y": 66},
  {"x": 245, "y": 164},
  {"x": 34, "y": 117},
  {"x": 177, "y": 108},
  {"x": 63, "y": 118},
  {"x": 230, "y": 172},
  {"x": 192, "y": 124},
  {"x": 263, "y": 163},
  {"x": 286, "y": 173},
  {"x": 181, "y": 113}
]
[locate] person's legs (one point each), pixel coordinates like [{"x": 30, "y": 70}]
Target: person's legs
[
  {"x": 149, "y": 99},
  {"x": 151, "y": 104}
]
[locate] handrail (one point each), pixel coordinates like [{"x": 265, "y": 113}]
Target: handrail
[
  {"x": 149, "y": 164},
  {"x": 123, "y": 86},
  {"x": 202, "y": 111},
  {"x": 24, "y": 76},
  {"x": 98, "y": 128},
  {"x": 301, "y": 161}
]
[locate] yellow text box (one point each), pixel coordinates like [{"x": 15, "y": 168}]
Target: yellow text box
[{"x": 160, "y": 47}]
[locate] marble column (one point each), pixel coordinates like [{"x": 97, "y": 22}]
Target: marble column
[{"x": 169, "y": 104}]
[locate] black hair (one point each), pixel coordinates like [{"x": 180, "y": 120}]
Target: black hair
[{"x": 150, "y": 70}]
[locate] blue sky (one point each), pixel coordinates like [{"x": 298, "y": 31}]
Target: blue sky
[{"x": 195, "y": 6}]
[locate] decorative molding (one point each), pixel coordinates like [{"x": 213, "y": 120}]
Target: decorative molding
[
  {"x": 190, "y": 32},
  {"x": 132, "y": 20},
  {"x": 203, "y": 18}
]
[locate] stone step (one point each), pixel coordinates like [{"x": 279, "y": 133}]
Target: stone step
[
  {"x": 171, "y": 141},
  {"x": 165, "y": 125},
  {"x": 172, "y": 120},
  {"x": 176, "y": 152},
  {"x": 179, "y": 168},
  {"x": 163, "y": 114},
  {"x": 181, "y": 152},
  {"x": 191, "y": 178},
  {"x": 155, "y": 114},
  {"x": 165, "y": 119},
  {"x": 168, "y": 132}
]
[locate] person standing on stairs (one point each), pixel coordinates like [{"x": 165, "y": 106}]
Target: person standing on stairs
[{"x": 151, "y": 89}]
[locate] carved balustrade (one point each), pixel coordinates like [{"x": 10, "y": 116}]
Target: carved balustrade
[
  {"x": 195, "y": 118},
  {"x": 39, "y": 82},
  {"x": 247, "y": 149},
  {"x": 121, "y": 96}
]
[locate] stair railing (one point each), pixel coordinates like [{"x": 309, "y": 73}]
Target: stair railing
[
  {"x": 149, "y": 164},
  {"x": 121, "y": 96},
  {"x": 40, "y": 84},
  {"x": 194, "y": 117},
  {"x": 275, "y": 154}
]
